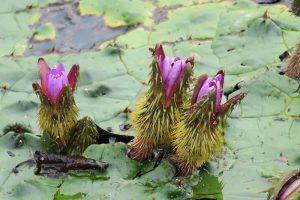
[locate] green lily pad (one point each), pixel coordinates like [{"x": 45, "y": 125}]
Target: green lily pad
[
  {"x": 118, "y": 12},
  {"x": 197, "y": 22},
  {"x": 15, "y": 32},
  {"x": 115, "y": 182},
  {"x": 180, "y": 2}
]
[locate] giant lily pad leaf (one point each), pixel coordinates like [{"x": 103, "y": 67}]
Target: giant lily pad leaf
[
  {"x": 115, "y": 182},
  {"x": 15, "y": 149},
  {"x": 19, "y": 5},
  {"x": 132, "y": 39},
  {"x": 118, "y": 12},
  {"x": 199, "y": 22},
  {"x": 270, "y": 123},
  {"x": 123, "y": 183},
  {"x": 15, "y": 31},
  {"x": 260, "y": 33},
  {"x": 181, "y": 3}
]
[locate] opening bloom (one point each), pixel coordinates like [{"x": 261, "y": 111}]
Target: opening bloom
[
  {"x": 199, "y": 133},
  {"x": 171, "y": 71},
  {"x": 205, "y": 86},
  {"x": 53, "y": 80}
]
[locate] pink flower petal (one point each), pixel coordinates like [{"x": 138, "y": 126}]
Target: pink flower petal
[
  {"x": 159, "y": 52},
  {"x": 56, "y": 80},
  {"x": 215, "y": 84},
  {"x": 202, "y": 79},
  {"x": 171, "y": 70},
  {"x": 73, "y": 76},
  {"x": 165, "y": 67},
  {"x": 173, "y": 78},
  {"x": 44, "y": 69},
  {"x": 206, "y": 88}
]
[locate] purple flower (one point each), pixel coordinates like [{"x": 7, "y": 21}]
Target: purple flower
[
  {"x": 53, "y": 80},
  {"x": 205, "y": 86},
  {"x": 171, "y": 71}
]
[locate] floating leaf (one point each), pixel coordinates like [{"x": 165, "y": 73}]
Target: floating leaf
[{"x": 118, "y": 12}]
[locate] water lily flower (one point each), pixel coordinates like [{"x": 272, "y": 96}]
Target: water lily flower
[
  {"x": 205, "y": 86},
  {"x": 171, "y": 71},
  {"x": 58, "y": 112},
  {"x": 155, "y": 114},
  {"x": 53, "y": 80},
  {"x": 198, "y": 135}
]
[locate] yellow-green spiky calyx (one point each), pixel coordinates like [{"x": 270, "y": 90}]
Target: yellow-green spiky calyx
[
  {"x": 83, "y": 135},
  {"x": 59, "y": 120},
  {"x": 155, "y": 113},
  {"x": 198, "y": 134},
  {"x": 195, "y": 139}
]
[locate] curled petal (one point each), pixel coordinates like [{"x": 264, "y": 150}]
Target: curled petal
[
  {"x": 218, "y": 82},
  {"x": 165, "y": 67},
  {"x": 172, "y": 79},
  {"x": 234, "y": 100},
  {"x": 205, "y": 89},
  {"x": 73, "y": 76},
  {"x": 44, "y": 69},
  {"x": 202, "y": 79}
]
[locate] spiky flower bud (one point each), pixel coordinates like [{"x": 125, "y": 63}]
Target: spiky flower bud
[
  {"x": 198, "y": 134},
  {"x": 83, "y": 135},
  {"x": 155, "y": 113},
  {"x": 58, "y": 112}
]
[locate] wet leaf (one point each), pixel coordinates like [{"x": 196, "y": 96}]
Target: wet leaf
[{"x": 118, "y": 12}]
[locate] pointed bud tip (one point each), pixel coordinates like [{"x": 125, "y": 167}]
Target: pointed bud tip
[
  {"x": 234, "y": 100},
  {"x": 73, "y": 76},
  {"x": 265, "y": 16},
  {"x": 36, "y": 86},
  {"x": 191, "y": 60},
  {"x": 41, "y": 59},
  {"x": 159, "y": 51}
]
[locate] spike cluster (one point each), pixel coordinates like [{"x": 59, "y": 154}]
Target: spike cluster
[
  {"x": 198, "y": 133},
  {"x": 58, "y": 112},
  {"x": 155, "y": 113},
  {"x": 83, "y": 135}
]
